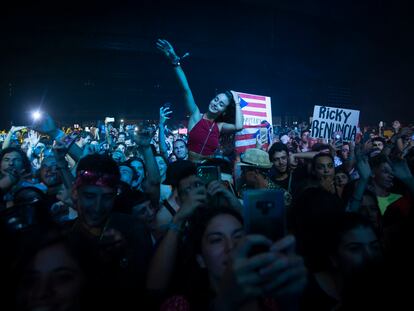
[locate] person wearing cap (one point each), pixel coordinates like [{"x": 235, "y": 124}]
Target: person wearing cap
[{"x": 255, "y": 165}]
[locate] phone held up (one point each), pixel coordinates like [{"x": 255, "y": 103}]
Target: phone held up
[
  {"x": 264, "y": 213},
  {"x": 208, "y": 173}
]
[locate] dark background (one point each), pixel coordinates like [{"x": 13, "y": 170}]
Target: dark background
[{"x": 84, "y": 61}]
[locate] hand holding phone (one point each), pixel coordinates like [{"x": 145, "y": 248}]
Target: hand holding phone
[
  {"x": 208, "y": 173},
  {"x": 264, "y": 213}
]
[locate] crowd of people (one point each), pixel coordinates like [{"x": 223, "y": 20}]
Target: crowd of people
[{"x": 121, "y": 218}]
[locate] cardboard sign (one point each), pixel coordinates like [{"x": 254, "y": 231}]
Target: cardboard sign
[{"x": 327, "y": 122}]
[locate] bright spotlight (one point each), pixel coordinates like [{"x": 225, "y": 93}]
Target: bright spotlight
[{"x": 36, "y": 115}]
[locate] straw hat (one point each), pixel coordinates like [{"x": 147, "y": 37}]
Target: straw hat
[{"x": 255, "y": 157}]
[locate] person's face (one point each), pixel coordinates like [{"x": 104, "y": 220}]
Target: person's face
[
  {"x": 219, "y": 104},
  {"x": 52, "y": 281},
  {"x": 85, "y": 141},
  {"x": 144, "y": 212},
  {"x": 139, "y": 170},
  {"x": 48, "y": 172},
  {"x": 396, "y": 124},
  {"x": 180, "y": 150},
  {"x": 126, "y": 174},
  {"x": 341, "y": 179},
  {"x": 189, "y": 185},
  {"x": 11, "y": 162},
  {"x": 305, "y": 137},
  {"x": 94, "y": 204},
  {"x": 378, "y": 144},
  {"x": 280, "y": 161},
  {"x": 345, "y": 151},
  {"x": 64, "y": 196},
  {"x": 250, "y": 176},
  {"x": 357, "y": 248},
  {"x": 324, "y": 167},
  {"x": 162, "y": 166},
  {"x": 221, "y": 236},
  {"x": 121, "y": 138},
  {"x": 121, "y": 148},
  {"x": 383, "y": 176}
]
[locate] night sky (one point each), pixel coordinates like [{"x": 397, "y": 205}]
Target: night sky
[{"x": 87, "y": 61}]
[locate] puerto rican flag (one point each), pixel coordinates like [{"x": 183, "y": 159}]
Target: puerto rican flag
[{"x": 257, "y": 113}]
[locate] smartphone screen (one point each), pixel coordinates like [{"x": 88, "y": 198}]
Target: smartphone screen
[
  {"x": 208, "y": 173},
  {"x": 264, "y": 213},
  {"x": 69, "y": 139}
]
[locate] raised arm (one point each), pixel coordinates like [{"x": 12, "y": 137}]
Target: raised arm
[
  {"x": 13, "y": 130},
  {"x": 166, "y": 48},
  {"x": 164, "y": 113}
]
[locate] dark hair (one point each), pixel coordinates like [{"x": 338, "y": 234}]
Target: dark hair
[
  {"x": 84, "y": 134},
  {"x": 127, "y": 200},
  {"x": 277, "y": 147},
  {"x": 228, "y": 116},
  {"x": 319, "y": 147},
  {"x": 179, "y": 170},
  {"x": 378, "y": 138},
  {"x": 377, "y": 160},
  {"x": 98, "y": 163},
  {"x": 225, "y": 165},
  {"x": 26, "y": 163}
]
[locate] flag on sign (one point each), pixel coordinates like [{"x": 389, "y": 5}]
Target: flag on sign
[
  {"x": 246, "y": 138},
  {"x": 257, "y": 113}
]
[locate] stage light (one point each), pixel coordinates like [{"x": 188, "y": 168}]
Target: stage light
[{"x": 36, "y": 115}]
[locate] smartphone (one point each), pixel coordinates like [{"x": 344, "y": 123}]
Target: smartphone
[
  {"x": 109, "y": 119},
  {"x": 69, "y": 139},
  {"x": 263, "y": 136},
  {"x": 208, "y": 173},
  {"x": 167, "y": 105},
  {"x": 264, "y": 213}
]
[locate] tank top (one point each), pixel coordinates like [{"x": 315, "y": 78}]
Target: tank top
[{"x": 204, "y": 137}]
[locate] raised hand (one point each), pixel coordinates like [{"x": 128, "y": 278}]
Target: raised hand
[
  {"x": 167, "y": 49},
  {"x": 46, "y": 125},
  {"x": 165, "y": 113},
  {"x": 401, "y": 170},
  {"x": 15, "y": 129},
  {"x": 33, "y": 138}
]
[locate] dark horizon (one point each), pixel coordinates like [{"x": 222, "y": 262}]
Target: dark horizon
[{"x": 89, "y": 61}]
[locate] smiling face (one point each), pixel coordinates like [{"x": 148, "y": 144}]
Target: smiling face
[
  {"x": 162, "y": 166},
  {"x": 11, "y": 162},
  {"x": 219, "y": 104},
  {"x": 49, "y": 174},
  {"x": 221, "y": 236},
  {"x": 94, "y": 204},
  {"x": 140, "y": 173},
  {"x": 383, "y": 176},
  {"x": 280, "y": 161}
]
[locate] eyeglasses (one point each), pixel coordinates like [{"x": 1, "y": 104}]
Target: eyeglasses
[{"x": 96, "y": 178}]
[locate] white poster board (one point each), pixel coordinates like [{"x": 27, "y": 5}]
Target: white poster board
[{"x": 329, "y": 121}]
